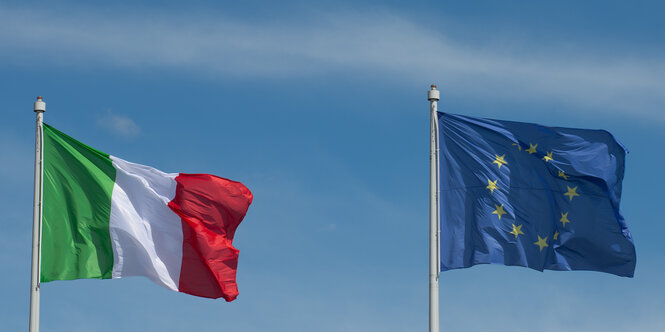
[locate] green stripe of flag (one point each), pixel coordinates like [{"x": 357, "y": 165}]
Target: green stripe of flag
[{"x": 78, "y": 183}]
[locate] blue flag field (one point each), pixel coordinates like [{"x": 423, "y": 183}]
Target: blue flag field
[{"x": 523, "y": 194}]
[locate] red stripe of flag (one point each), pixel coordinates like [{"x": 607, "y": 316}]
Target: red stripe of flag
[{"x": 211, "y": 208}]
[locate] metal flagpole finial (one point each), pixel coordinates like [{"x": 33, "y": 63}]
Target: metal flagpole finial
[
  {"x": 40, "y": 105},
  {"x": 433, "y": 94}
]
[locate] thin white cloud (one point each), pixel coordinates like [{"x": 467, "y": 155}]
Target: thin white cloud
[
  {"x": 118, "y": 124},
  {"x": 333, "y": 43}
]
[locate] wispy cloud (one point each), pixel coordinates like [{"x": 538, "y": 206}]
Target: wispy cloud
[
  {"x": 118, "y": 124},
  {"x": 383, "y": 43}
]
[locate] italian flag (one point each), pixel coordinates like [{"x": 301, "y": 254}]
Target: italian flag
[{"x": 104, "y": 217}]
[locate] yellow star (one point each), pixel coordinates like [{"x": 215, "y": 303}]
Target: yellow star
[
  {"x": 517, "y": 230},
  {"x": 563, "y": 175},
  {"x": 548, "y": 157},
  {"x": 491, "y": 185},
  {"x": 499, "y": 211},
  {"x": 542, "y": 243},
  {"x": 519, "y": 147},
  {"x": 556, "y": 235},
  {"x": 500, "y": 161},
  {"x": 532, "y": 148},
  {"x": 564, "y": 219},
  {"x": 572, "y": 192}
]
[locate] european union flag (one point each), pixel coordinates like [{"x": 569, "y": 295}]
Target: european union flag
[{"x": 516, "y": 193}]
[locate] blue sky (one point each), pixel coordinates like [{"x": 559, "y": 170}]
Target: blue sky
[{"x": 321, "y": 110}]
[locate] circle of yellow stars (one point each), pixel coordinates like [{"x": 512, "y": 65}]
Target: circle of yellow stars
[{"x": 499, "y": 209}]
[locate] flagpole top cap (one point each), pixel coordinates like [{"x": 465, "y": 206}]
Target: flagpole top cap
[
  {"x": 433, "y": 94},
  {"x": 40, "y": 105}
]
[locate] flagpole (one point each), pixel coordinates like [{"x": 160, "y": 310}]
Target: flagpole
[
  {"x": 40, "y": 108},
  {"x": 433, "y": 97}
]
